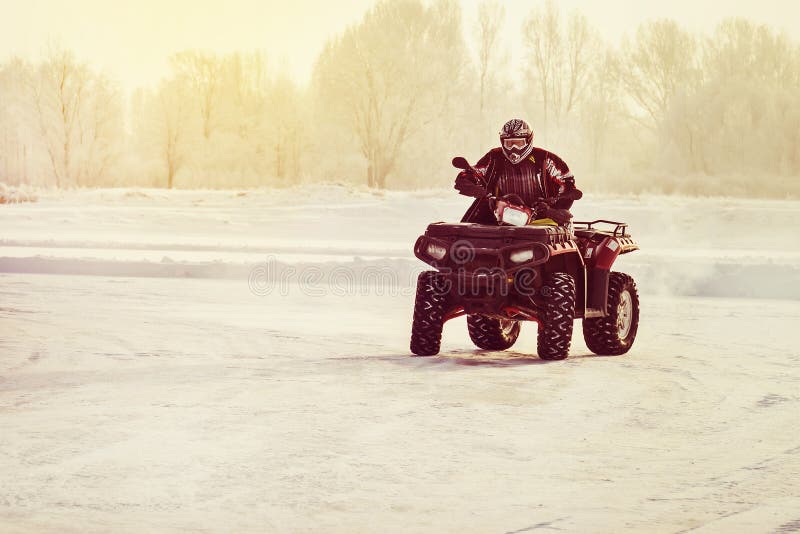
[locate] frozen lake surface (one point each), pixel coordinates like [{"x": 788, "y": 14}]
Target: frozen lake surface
[{"x": 163, "y": 394}]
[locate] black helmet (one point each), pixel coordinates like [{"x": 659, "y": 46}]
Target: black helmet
[{"x": 516, "y": 140}]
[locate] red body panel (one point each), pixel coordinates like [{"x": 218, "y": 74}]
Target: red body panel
[{"x": 605, "y": 253}]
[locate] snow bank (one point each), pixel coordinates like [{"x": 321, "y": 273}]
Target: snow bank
[{"x": 15, "y": 194}]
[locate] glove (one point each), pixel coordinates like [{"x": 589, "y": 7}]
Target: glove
[
  {"x": 468, "y": 185},
  {"x": 562, "y": 217},
  {"x": 540, "y": 209},
  {"x": 544, "y": 211}
]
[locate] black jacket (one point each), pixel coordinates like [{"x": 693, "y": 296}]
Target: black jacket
[{"x": 540, "y": 176}]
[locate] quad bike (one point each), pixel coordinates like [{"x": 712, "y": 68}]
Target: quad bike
[{"x": 523, "y": 269}]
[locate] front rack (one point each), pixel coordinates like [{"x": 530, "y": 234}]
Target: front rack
[{"x": 620, "y": 229}]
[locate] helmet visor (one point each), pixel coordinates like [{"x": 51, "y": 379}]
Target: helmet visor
[{"x": 510, "y": 143}]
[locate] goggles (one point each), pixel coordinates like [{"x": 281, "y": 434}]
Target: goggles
[{"x": 510, "y": 143}]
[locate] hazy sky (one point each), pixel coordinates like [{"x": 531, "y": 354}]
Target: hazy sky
[{"x": 132, "y": 39}]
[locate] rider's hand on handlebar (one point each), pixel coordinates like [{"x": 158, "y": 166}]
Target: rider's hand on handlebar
[
  {"x": 543, "y": 210},
  {"x": 560, "y": 216},
  {"x": 469, "y": 185}
]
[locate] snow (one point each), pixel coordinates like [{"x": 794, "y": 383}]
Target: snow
[
  {"x": 691, "y": 246},
  {"x": 167, "y": 392}
]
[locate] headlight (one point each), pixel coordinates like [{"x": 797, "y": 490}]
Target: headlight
[
  {"x": 515, "y": 217},
  {"x": 435, "y": 251},
  {"x": 521, "y": 256}
]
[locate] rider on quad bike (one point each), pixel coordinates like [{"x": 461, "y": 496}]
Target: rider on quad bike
[
  {"x": 516, "y": 256},
  {"x": 535, "y": 177}
]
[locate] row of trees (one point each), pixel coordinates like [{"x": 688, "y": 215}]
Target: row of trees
[
  {"x": 395, "y": 96},
  {"x": 60, "y": 122},
  {"x": 220, "y": 121},
  {"x": 668, "y": 109},
  {"x": 217, "y": 121}
]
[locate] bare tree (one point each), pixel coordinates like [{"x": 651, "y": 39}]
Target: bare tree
[
  {"x": 171, "y": 108},
  {"x": 656, "y": 65},
  {"x": 79, "y": 115},
  {"x": 491, "y": 15},
  {"x": 241, "y": 149},
  {"x": 542, "y": 33},
  {"x": 243, "y": 92},
  {"x": 490, "y": 59},
  {"x": 163, "y": 124},
  {"x": 385, "y": 76},
  {"x": 561, "y": 56},
  {"x": 582, "y": 44},
  {"x": 100, "y": 130},
  {"x": 286, "y": 118},
  {"x": 18, "y": 125},
  {"x": 202, "y": 72},
  {"x": 58, "y": 89},
  {"x": 600, "y": 107}
]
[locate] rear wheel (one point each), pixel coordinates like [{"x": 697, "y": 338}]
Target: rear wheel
[
  {"x": 426, "y": 330},
  {"x": 490, "y": 333},
  {"x": 556, "y": 320},
  {"x": 614, "y": 334}
]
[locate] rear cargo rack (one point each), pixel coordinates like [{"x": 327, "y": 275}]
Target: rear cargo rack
[{"x": 620, "y": 229}]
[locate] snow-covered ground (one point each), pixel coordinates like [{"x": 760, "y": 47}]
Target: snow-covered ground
[{"x": 226, "y": 368}]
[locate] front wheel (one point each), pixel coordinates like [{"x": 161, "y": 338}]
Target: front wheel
[
  {"x": 557, "y": 318},
  {"x": 614, "y": 334},
  {"x": 429, "y": 307},
  {"x": 490, "y": 333}
]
